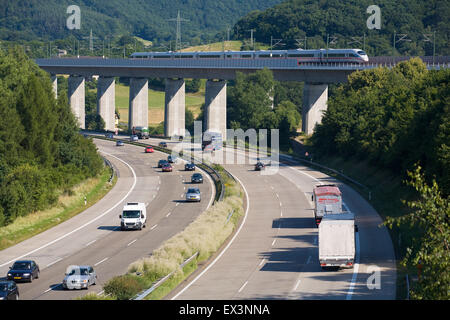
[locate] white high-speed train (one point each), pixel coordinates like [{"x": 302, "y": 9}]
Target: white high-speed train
[{"x": 303, "y": 56}]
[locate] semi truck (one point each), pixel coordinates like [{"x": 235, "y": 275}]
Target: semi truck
[
  {"x": 337, "y": 241},
  {"x": 141, "y": 132},
  {"x": 134, "y": 216},
  {"x": 327, "y": 200}
]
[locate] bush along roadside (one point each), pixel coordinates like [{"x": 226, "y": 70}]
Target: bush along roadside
[{"x": 203, "y": 237}]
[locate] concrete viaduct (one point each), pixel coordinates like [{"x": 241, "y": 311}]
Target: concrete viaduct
[{"x": 217, "y": 71}]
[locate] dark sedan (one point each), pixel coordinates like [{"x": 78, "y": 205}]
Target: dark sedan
[
  {"x": 9, "y": 290},
  {"x": 23, "y": 270},
  {"x": 163, "y": 145},
  {"x": 197, "y": 178},
  {"x": 189, "y": 167},
  {"x": 259, "y": 166},
  {"x": 162, "y": 163}
]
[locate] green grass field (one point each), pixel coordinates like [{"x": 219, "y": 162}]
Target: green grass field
[{"x": 156, "y": 101}]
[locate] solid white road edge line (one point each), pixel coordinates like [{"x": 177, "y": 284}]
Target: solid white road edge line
[
  {"x": 357, "y": 245},
  {"x": 86, "y": 224},
  {"x": 225, "y": 249}
]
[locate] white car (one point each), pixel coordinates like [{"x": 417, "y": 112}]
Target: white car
[{"x": 79, "y": 277}]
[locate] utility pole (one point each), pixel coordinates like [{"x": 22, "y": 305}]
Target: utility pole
[
  {"x": 251, "y": 38},
  {"x": 91, "y": 41},
  {"x": 178, "y": 37}
]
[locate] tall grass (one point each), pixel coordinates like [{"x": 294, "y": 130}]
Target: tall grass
[{"x": 205, "y": 235}]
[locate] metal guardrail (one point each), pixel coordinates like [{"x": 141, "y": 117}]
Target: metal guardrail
[
  {"x": 145, "y": 293},
  {"x": 113, "y": 171},
  {"x": 218, "y": 181}
]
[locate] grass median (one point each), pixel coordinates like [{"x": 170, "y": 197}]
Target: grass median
[
  {"x": 69, "y": 205},
  {"x": 205, "y": 235}
]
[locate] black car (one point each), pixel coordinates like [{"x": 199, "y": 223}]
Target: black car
[
  {"x": 109, "y": 135},
  {"x": 259, "y": 166},
  {"x": 189, "y": 167},
  {"x": 23, "y": 270},
  {"x": 197, "y": 178},
  {"x": 163, "y": 144},
  {"x": 9, "y": 290},
  {"x": 162, "y": 163}
]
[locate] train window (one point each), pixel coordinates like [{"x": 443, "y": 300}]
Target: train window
[
  {"x": 361, "y": 53},
  {"x": 264, "y": 56},
  {"x": 184, "y": 57},
  {"x": 278, "y": 55},
  {"x": 162, "y": 57},
  {"x": 209, "y": 56},
  {"x": 336, "y": 55},
  {"x": 229, "y": 56},
  {"x": 246, "y": 56},
  {"x": 303, "y": 55}
]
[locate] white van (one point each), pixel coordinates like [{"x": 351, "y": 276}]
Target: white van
[{"x": 134, "y": 216}]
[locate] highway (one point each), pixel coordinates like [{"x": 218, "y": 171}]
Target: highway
[
  {"x": 273, "y": 255},
  {"x": 94, "y": 237}
]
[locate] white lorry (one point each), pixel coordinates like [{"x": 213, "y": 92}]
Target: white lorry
[
  {"x": 327, "y": 200},
  {"x": 134, "y": 216},
  {"x": 337, "y": 240}
]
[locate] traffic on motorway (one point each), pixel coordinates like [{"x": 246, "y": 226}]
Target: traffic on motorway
[{"x": 133, "y": 216}]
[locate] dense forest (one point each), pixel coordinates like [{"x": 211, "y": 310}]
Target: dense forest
[
  {"x": 345, "y": 22},
  {"x": 41, "y": 151},
  {"x": 257, "y": 101},
  {"x": 148, "y": 19},
  {"x": 398, "y": 120},
  {"x": 395, "y": 118}
]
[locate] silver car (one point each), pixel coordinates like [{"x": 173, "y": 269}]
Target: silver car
[
  {"x": 193, "y": 194},
  {"x": 79, "y": 277}
]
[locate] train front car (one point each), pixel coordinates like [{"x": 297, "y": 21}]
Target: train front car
[{"x": 361, "y": 56}]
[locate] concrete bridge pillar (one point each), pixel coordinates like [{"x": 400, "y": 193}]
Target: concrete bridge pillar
[
  {"x": 138, "y": 108},
  {"x": 315, "y": 97},
  {"x": 54, "y": 85},
  {"x": 76, "y": 94},
  {"x": 106, "y": 101},
  {"x": 174, "y": 112},
  {"x": 216, "y": 107}
]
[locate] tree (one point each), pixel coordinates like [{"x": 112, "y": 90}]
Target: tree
[{"x": 431, "y": 213}]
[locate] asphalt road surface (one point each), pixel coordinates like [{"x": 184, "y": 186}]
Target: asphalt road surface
[{"x": 94, "y": 237}]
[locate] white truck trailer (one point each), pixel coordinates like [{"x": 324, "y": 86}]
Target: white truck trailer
[
  {"x": 337, "y": 240},
  {"x": 327, "y": 200}
]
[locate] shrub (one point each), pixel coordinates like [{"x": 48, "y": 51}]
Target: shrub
[{"x": 124, "y": 287}]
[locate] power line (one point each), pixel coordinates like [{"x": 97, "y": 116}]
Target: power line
[{"x": 178, "y": 19}]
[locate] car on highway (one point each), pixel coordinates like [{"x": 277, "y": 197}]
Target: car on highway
[
  {"x": 149, "y": 149},
  {"x": 208, "y": 148},
  {"x": 23, "y": 270},
  {"x": 9, "y": 290},
  {"x": 119, "y": 143},
  {"x": 79, "y": 277},
  {"x": 162, "y": 162},
  {"x": 193, "y": 194},
  {"x": 189, "y": 166},
  {"x": 163, "y": 144},
  {"x": 134, "y": 216},
  {"x": 167, "y": 168},
  {"x": 109, "y": 135},
  {"x": 134, "y": 138},
  {"x": 172, "y": 159},
  {"x": 197, "y": 178},
  {"x": 259, "y": 166}
]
